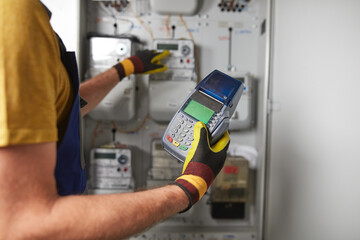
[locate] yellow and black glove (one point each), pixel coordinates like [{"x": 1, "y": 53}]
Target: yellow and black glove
[
  {"x": 144, "y": 61},
  {"x": 202, "y": 164}
]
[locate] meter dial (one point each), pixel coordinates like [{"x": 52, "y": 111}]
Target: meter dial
[
  {"x": 185, "y": 50},
  {"x": 121, "y": 49},
  {"x": 123, "y": 159}
]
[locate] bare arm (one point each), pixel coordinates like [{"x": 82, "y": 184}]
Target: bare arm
[
  {"x": 31, "y": 209},
  {"x": 96, "y": 88}
]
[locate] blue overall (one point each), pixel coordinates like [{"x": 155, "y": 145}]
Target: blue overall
[
  {"x": 70, "y": 169},
  {"x": 70, "y": 172}
]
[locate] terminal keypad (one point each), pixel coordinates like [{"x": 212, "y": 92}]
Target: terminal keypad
[{"x": 181, "y": 132}]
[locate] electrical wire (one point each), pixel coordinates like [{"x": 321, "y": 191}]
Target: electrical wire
[
  {"x": 117, "y": 129},
  {"x": 130, "y": 27},
  {"x": 195, "y": 49},
  {"x": 231, "y": 6},
  {"x": 167, "y": 26},
  {"x": 186, "y": 27},
  {"x": 146, "y": 26},
  {"x": 106, "y": 10},
  {"x": 111, "y": 13},
  {"x": 95, "y": 134},
  {"x": 132, "y": 130}
]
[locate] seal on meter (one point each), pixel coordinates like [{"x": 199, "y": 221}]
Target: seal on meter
[{"x": 213, "y": 101}]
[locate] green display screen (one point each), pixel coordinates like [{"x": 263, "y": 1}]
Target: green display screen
[
  {"x": 199, "y": 111},
  {"x": 105, "y": 155},
  {"x": 164, "y": 46}
]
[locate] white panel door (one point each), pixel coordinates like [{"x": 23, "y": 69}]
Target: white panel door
[{"x": 314, "y": 161}]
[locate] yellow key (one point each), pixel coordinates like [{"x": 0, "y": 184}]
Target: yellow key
[{"x": 176, "y": 143}]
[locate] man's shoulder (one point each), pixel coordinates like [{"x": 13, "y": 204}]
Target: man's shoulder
[
  {"x": 21, "y": 3},
  {"x": 21, "y": 9}
]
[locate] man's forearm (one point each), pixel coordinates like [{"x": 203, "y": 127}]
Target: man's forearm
[
  {"x": 114, "y": 216},
  {"x": 96, "y": 88}
]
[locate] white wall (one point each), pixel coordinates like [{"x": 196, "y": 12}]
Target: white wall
[
  {"x": 65, "y": 20},
  {"x": 314, "y": 165}
]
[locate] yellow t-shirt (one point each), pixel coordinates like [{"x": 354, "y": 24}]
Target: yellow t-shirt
[{"x": 35, "y": 92}]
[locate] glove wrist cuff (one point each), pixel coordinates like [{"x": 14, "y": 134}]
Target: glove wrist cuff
[
  {"x": 120, "y": 70},
  {"x": 194, "y": 185},
  {"x": 128, "y": 66},
  {"x": 187, "y": 194},
  {"x": 137, "y": 63}
]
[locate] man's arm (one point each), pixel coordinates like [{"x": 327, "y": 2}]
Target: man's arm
[
  {"x": 31, "y": 209},
  {"x": 95, "y": 89}
]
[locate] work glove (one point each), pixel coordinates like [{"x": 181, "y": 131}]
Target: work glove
[
  {"x": 144, "y": 61},
  {"x": 202, "y": 164}
]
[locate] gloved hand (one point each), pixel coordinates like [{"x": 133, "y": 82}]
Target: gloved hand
[
  {"x": 202, "y": 164},
  {"x": 144, "y": 61}
]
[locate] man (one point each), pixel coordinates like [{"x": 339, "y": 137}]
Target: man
[{"x": 41, "y": 177}]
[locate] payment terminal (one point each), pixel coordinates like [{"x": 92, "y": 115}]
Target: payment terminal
[{"x": 213, "y": 101}]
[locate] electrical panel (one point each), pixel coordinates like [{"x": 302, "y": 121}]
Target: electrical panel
[{"x": 201, "y": 36}]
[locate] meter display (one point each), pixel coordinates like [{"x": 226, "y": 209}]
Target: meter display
[
  {"x": 213, "y": 101},
  {"x": 167, "y": 46},
  {"x": 105, "y": 155}
]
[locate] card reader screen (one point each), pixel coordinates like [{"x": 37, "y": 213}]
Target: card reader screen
[{"x": 199, "y": 111}]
